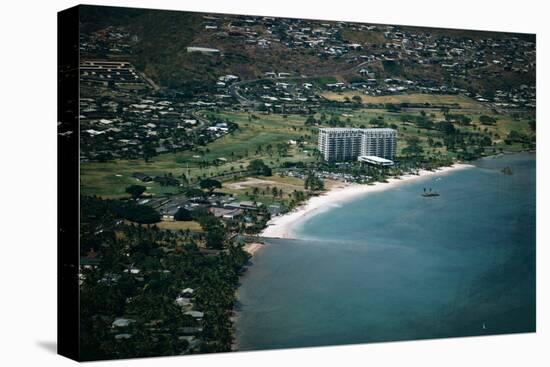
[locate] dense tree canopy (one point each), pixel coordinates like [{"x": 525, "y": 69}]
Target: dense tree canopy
[
  {"x": 135, "y": 191},
  {"x": 140, "y": 272},
  {"x": 210, "y": 184},
  {"x": 258, "y": 167},
  {"x": 313, "y": 183},
  {"x": 183, "y": 215}
]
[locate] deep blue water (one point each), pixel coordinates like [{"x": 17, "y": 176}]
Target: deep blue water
[{"x": 394, "y": 265}]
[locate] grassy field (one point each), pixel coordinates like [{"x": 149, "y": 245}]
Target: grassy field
[
  {"x": 180, "y": 226},
  {"x": 110, "y": 179},
  {"x": 243, "y": 189},
  {"x": 267, "y": 129},
  {"x": 462, "y": 101}
]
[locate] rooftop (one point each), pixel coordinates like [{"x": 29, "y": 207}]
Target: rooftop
[
  {"x": 375, "y": 160},
  {"x": 345, "y": 129},
  {"x": 202, "y": 49}
]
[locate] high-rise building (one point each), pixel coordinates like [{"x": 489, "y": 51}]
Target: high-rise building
[
  {"x": 340, "y": 144},
  {"x": 379, "y": 142},
  {"x": 346, "y": 144}
]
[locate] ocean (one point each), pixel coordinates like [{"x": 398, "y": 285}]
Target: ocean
[{"x": 393, "y": 265}]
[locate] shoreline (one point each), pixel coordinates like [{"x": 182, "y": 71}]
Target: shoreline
[
  {"x": 252, "y": 247},
  {"x": 282, "y": 226}
]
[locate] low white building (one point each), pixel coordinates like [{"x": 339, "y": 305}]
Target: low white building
[
  {"x": 203, "y": 50},
  {"x": 375, "y": 161}
]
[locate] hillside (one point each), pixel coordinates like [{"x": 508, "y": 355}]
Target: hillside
[{"x": 156, "y": 43}]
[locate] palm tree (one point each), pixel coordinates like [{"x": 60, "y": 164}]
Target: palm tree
[{"x": 184, "y": 180}]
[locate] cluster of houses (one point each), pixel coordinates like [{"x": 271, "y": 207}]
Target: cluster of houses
[
  {"x": 522, "y": 97},
  {"x": 123, "y": 327},
  {"x": 462, "y": 59},
  {"x": 222, "y": 205},
  {"x": 394, "y": 85},
  {"x": 388, "y": 42},
  {"x": 266, "y": 32},
  {"x": 282, "y": 96},
  {"x": 110, "y": 73},
  {"x": 455, "y": 60},
  {"x": 113, "y": 40},
  {"x": 129, "y": 125}
]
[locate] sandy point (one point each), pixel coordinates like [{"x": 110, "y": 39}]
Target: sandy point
[{"x": 252, "y": 247}]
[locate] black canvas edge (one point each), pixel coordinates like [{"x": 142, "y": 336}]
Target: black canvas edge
[
  {"x": 68, "y": 184},
  {"x": 68, "y": 166}
]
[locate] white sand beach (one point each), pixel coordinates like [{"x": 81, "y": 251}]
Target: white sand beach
[
  {"x": 282, "y": 226},
  {"x": 251, "y": 248}
]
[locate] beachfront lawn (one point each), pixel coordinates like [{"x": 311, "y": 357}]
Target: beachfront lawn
[
  {"x": 260, "y": 188},
  {"x": 192, "y": 226}
]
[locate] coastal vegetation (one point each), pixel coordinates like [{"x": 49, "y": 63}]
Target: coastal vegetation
[{"x": 154, "y": 292}]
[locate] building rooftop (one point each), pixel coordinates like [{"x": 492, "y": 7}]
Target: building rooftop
[
  {"x": 202, "y": 49},
  {"x": 344, "y": 129},
  {"x": 375, "y": 160},
  {"x": 340, "y": 129}
]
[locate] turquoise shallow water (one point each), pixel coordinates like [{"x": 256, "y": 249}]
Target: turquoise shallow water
[{"x": 394, "y": 265}]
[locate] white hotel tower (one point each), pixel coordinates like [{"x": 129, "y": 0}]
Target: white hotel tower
[{"x": 346, "y": 144}]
